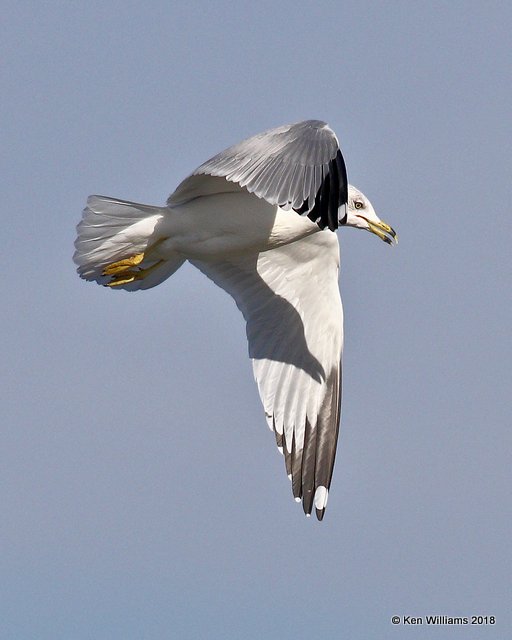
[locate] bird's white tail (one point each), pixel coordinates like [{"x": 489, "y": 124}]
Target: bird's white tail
[{"x": 116, "y": 245}]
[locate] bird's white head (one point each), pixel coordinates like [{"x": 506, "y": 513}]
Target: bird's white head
[{"x": 360, "y": 214}]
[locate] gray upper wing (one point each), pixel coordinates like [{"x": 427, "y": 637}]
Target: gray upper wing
[{"x": 297, "y": 166}]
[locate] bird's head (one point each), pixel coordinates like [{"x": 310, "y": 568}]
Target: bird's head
[{"x": 361, "y": 214}]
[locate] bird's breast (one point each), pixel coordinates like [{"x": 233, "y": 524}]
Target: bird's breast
[{"x": 228, "y": 224}]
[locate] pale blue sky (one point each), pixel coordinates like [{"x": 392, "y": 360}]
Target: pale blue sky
[{"x": 141, "y": 491}]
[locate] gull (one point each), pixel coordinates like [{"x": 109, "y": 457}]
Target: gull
[{"x": 258, "y": 219}]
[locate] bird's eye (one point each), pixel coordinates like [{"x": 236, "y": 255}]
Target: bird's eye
[{"x": 358, "y": 204}]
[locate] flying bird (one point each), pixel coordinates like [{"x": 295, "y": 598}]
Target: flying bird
[{"x": 258, "y": 219}]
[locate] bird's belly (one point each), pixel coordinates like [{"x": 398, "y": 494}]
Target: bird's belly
[{"x": 230, "y": 224}]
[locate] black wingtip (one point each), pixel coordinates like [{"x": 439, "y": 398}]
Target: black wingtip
[{"x": 332, "y": 194}]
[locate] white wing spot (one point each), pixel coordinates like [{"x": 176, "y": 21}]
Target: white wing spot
[{"x": 321, "y": 495}]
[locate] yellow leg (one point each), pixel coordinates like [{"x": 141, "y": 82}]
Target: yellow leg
[
  {"x": 128, "y": 275},
  {"x": 119, "y": 280},
  {"x": 123, "y": 265}
]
